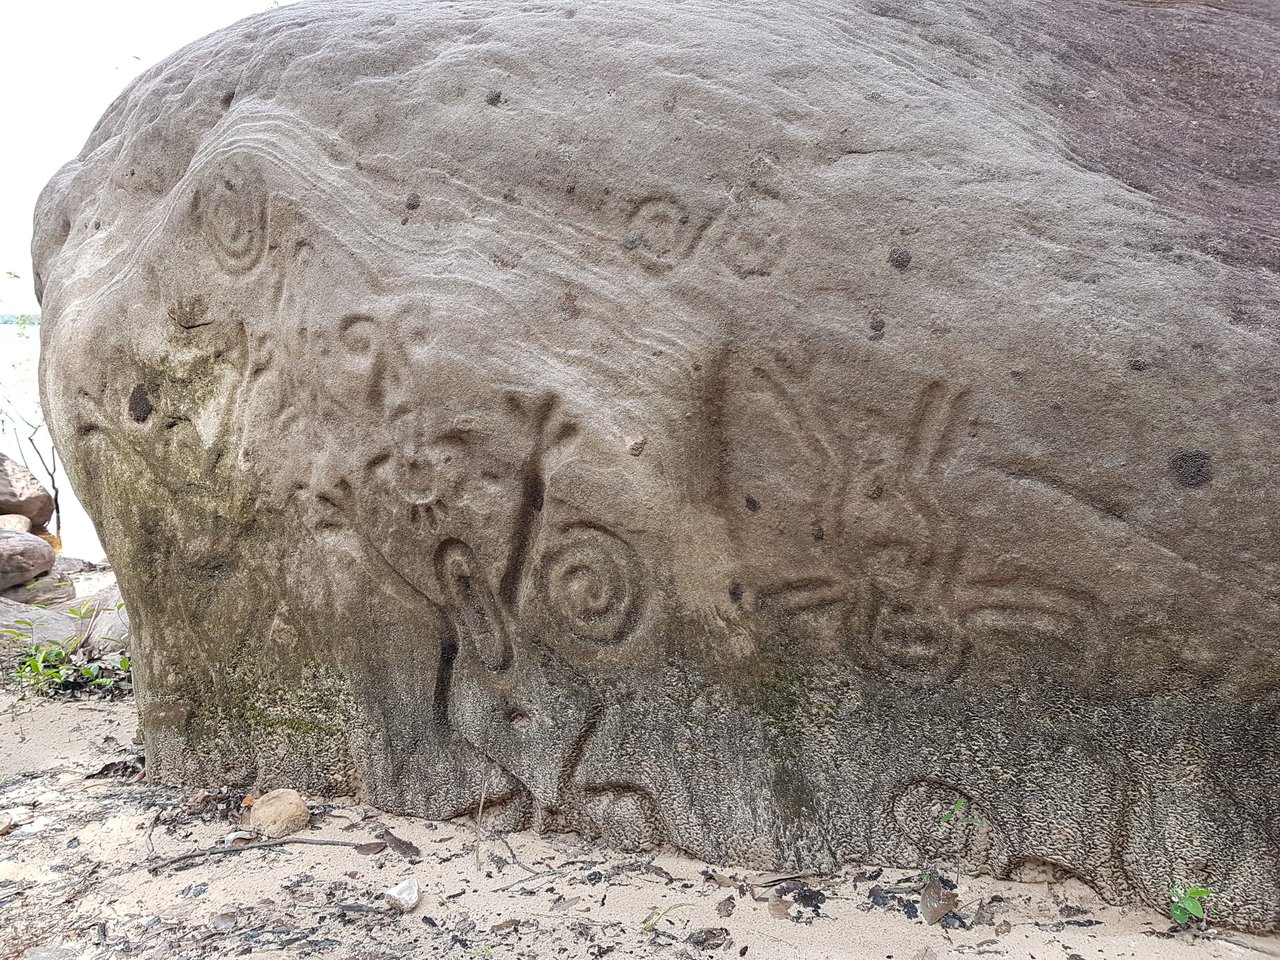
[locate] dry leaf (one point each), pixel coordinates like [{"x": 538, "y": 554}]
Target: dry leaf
[
  {"x": 247, "y": 801},
  {"x": 725, "y": 907},
  {"x": 779, "y": 908},
  {"x": 505, "y": 925},
  {"x": 239, "y": 838},
  {"x": 223, "y": 922},
  {"x": 936, "y": 903},
  {"x": 370, "y": 848},
  {"x": 1003, "y": 927},
  {"x": 718, "y": 878},
  {"x": 565, "y": 904},
  {"x": 401, "y": 846}
]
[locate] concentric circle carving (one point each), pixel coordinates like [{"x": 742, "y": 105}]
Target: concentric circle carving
[
  {"x": 593, "y": 586},
  {"x": 915, "y": 649},
  {"x": 233, "y": 219}
]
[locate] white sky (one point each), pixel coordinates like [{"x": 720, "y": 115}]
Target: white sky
[{"x": 62, "y": 63}]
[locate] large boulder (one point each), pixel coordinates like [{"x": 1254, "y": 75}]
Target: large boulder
[
  {"x": 752, "y": 426},
  {"x": 23, "y": 494},
  {"x": 23, "y": 558}
]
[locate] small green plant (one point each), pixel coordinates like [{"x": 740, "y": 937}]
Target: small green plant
[
  {"x": 656, "y": 916},
  {"x": 956, "y": 815},
  {"x": 82, "y": 612},
  {"x": 48, "y": 669},
  {"x": 1186, "y": 905}
]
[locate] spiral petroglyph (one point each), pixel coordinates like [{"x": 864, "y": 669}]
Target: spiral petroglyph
[{"x": 593, "y": 586}]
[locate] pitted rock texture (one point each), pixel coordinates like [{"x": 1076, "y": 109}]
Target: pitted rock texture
[{"x": 750, "y": 426}]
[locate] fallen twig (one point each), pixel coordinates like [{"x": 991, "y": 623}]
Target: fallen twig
[
  {"x": 260, "y": 845},
  {"x": 537, "y": 876},
  {"x": 151, "y": 847}
]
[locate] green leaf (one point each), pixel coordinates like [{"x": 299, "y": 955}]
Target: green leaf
[
  {"x": 1194, "y": 908},
  {"x": 1198, "y": 892},
  {"x": 124, "y": 664},
  {"x": 1179, "y": 913}
]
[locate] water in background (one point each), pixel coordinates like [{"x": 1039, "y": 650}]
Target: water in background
[{"x": 19, "y": 364}]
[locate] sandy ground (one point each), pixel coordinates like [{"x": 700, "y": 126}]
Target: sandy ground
[{"x": 86, "y": 871}]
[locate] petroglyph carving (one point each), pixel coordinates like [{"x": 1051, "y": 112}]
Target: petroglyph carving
[
  {"x": 593, "y": 585},
  {"x": 374, "y": 347}
]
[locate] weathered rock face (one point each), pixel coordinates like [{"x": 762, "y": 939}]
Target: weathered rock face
[
  {"x": 15, "y": 522},
  {"x": 23, "y": 557},
  {"x": 748, "y": 426},
  {"x": 21, "y": 493}
]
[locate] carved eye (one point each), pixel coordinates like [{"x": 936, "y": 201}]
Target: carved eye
[
  {"x": 233, "y": 219},
  {"x": 593, "y": 586}
]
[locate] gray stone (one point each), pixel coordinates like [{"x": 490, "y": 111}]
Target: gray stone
[
  {"x": 22, "y": 493},
  {"x": 951, "y": 337},
  {"x": 15, "y": 522},
  {"x": 48, "y": 627},
  {"x": 23, "y": 557},
  {"x": 50, "y": 588}
]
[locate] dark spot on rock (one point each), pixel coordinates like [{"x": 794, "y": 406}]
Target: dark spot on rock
[
  {"x": 97, "y": 224},
  {"x": 753, "y": 504},
  {"x": 899, "y": 258},
  {"x": 404, "y": 221},
  {"x": 493, "y": 97},
  {"x": 140, "y": 406},
  {"x": 228, "y": 184},
  {"x": 1191, "y": 468},
  {"x": 877, "y": 324},
  {"x": 1138, "y": 365},
  {"x": 735, "y": 592},
  {"x": 509, "y": 196},
  {"x": 633, "y": 241},
  {"x": 818, "y": 533},
  {"x": 413, "y": 203},
  {"x": 227, "y": 100}
]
